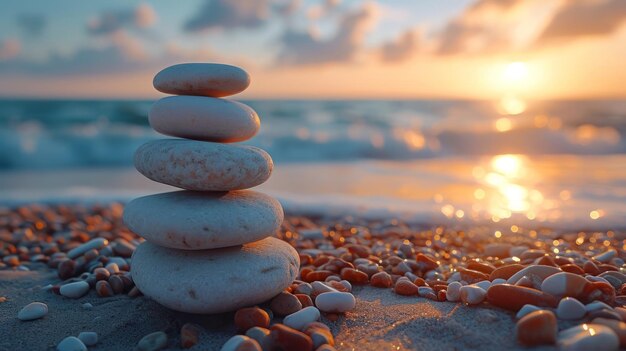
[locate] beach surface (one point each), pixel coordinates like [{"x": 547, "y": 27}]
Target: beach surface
[{"x": 382, "y": 320}]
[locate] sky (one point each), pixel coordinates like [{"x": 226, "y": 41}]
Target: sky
[{"x": 343, "y": 49}]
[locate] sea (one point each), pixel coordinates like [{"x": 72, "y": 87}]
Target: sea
[{"x": 502, "y": 163}]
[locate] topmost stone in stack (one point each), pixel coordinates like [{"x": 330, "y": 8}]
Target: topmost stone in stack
[{"x": 192, "y": 260}]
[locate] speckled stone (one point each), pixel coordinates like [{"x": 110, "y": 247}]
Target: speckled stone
[
  {"x": 217, "y": 280},
  {"x": 203, "y": 166},
  {"x": 204, "y": 118},
  {"x": 206, "y": 79},
  {"x": 219, "y": 219}
]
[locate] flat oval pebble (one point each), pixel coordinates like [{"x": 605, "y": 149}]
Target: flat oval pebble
[
  {"x": 33, "y": 310},
  {"x": 97, "y": 243},
  {"x": 618, "y": 327},
  {"x": 71, "y": 343},
  {"x": 219, "y": 219},
  {"x": 564, "y": 284},
  {"x": 214, "y": 281},
  {"x": 206, "y": 79},
  {"x": 203, "y": 166},
  {"x": 302, "y": 318},
  {"x": 74, "y": 290},
  {"x": 204, "y": 118},
  {"x": 536, "y": 270},
  {"x": 335, "y": 302},
  {"x": 570, "y": 308},
  {"x": 513, "y": 297},
  {"x": 153, "y": 341},
  {"x": 537, "y": 328},
  {"x": 250, "y": 317},
  {"x": 588, "y": 337}
]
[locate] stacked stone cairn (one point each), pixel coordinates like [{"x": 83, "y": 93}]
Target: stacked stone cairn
[{"x": 209, "y": 248}]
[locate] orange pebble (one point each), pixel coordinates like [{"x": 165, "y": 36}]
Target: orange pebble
[
  {"x": 419, "y": 282},
  {"x": 481, "y": 267},
  {"x": 189, "y": 335},
  {"x": 321, "y": 260},
  {"x": 505, "y": 272},
  {"x": 442, "y": 295},
  {"x": 591, "y": 268},
  {"x": 537, "y": 328},
  {"x": 381, "y": 280},
  {"x": 599, "y": 291},
  {"x": 285, "y": 338},
  {"x": 471, "y": 276},
  {"x": 338, "y": 286},
  {"x": 572, "y": 268},
  {"x": 427, "y": 263},
  {"x": 513, "y": 297},
  {"x": 246, "y": 318},
  {"x": 304, "y": 299},
  {"x": 405, "y": 287},
  {"x": 354, "y": 276},
  {"x": 317, "y": 276}
]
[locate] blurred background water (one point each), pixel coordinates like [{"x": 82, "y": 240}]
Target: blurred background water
[{"x": 503, "y": 162}]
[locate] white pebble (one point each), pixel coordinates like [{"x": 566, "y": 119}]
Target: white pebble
[
  {"x": 319, "y": 288},
  {"x": 597, "y": 305},
  {"x": 71, "y": 343},
  {"x": 570, "y": 308},
  {"x": 335, "y": 301},
  {"x": 33, "y": 310},
  {"x": 97, "y": 243},
  {"x": 498, "y": 281},
  {"x": 526, "y": 309},
  {"x": 74, "y": 290},
  {"x": 425, "y": 291},
  {"x": 472, "y": 295},
  {"x": 484, "y": 284},
  {"x": 87, "y": 306},
  {"x": 606, "y": 256},
  {"x": 300, "y": 319},
  {"x": 588, "y": 337},
  {"x": 88, "y": 338},
  {"x": 453, "y": 293},
  {"x": 454, "y": 277},
  {"x": 233, "y": 343},
  {"x": 153, "y": 341}
]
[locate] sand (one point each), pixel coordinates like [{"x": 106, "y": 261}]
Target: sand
[{"x": 382, "y": 320}]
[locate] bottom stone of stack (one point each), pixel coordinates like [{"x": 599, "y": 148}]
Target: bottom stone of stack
[{"x": 217, "y": 280}]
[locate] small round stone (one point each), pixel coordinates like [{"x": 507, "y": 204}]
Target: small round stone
[
  {"x": 537, "y": 328},
  {"x": 71, "y": 343},
  {"x": 258, "y": 334},
  {"x": 405, "y": 287},
  {"x": 74, "y": 290},
  {"x": 526, "y": 309},
  {"x": 88, "y": 338},
  {"x": 284, "y": 304},
  {"x": 66, "y": 269},
  {"x": 570, "y": 308},
  {"x": 205, "y": 79},
  {"x": 214, "y": 281},
  {"x": 246, "y": 318},
  {"x": 153, "y": 342},
  {"x": 472, "y": 295},
  {"x": 335, "y": 302},
  {"x": 203, "y": 166},
  {"x": 381, "y": 280},
  {"x": 453, "y": 292},
  {"x": 32, "y": 311},
  {"x": 219, "y": 219},
  {"x": 233, "y": 343},
  {"x": 513, "y": 297},
  {"x": 564, "y": 284},
  {"x": 204, "y": 118},
  {"x": 189, "y": 335},
  {"x": 284, "y": 338},
  {"x": 104, "y": 289}
]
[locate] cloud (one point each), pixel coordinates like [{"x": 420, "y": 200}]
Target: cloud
[
  {"x": 143, "y": 16},
  {"x": 229, "y": 14},
  {"x": 9, "y": 49},
  {"x": 304, "y": 48},
  {"x": 584, "y": 18},
  {"x": 400, "y": 49},
  {"x": 31, "y": 24}
]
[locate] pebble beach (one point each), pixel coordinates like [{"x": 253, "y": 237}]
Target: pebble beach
[{"x": 373, "y": 284}]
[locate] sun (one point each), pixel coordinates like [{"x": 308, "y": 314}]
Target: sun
[{"x": 515, "y": 72}]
